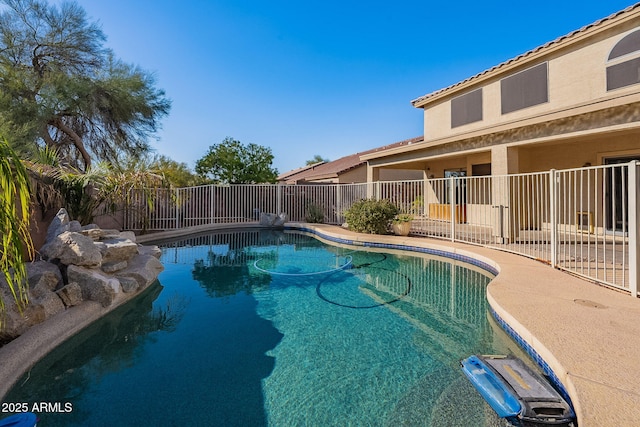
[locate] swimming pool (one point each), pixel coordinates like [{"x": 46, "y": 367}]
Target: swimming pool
[{"x": 254, "y": 328}]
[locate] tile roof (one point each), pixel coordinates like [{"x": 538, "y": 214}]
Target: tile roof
[
  {"x": 521, "y": 57},
  {"x": 336, "y": 167},
  {"x": 286, "y": 175}
]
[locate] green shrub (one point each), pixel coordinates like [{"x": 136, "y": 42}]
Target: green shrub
[{"x": 371, "y": 216}]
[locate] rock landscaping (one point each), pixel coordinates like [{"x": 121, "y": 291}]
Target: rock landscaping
[
  {"x": 273, "y": 220},
  {"x": 79, "y": 263}
]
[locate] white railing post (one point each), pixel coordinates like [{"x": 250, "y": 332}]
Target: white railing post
[
  {"x": 553, "y": 215},
  {"x": 211, "y": 203},
  {"x": 278, "y": 199},
  {"x": 452, "y": 207},
  {"x": 634, "y": 230},
  {"x": 177, "y": 204},
  {"x": 338, "y": 203}
]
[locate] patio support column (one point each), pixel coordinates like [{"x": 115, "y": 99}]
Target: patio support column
[
  {"x": 634, "y": 229},
  {"x": 426, "y": 193},
  {"x": 504, "y": 161},
  {"x": 373, "y": 175}
]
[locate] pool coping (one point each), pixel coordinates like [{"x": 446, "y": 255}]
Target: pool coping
[{"x": 525, "y": 298}]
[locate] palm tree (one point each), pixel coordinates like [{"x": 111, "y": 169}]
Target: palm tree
[{"x": 14, "y": 222}]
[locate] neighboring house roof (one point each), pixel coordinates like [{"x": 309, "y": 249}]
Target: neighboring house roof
[
  {"x": 543, "y": 49},
  {"x": 284, "y": 176},
  {"x": 333, "y": 169}
]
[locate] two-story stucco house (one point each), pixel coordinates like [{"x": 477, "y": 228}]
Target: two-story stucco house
[{"x": 570, "y": 103}]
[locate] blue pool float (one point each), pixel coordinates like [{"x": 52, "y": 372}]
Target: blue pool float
[
  {"x": 23, "y": 419},
  {"x": 491, "y": 388},
  {"x": 515, "y": 391}
]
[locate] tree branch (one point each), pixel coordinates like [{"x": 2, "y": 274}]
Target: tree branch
[
  {"x": 77, "y": 141},
  {"x": 47, "y": 137}
]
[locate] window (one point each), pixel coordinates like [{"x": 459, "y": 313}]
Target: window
[
  {"x": 629, "y": 44},
  {"x": 627, "y": 73},
  {"x": 479, "y": 191},
  {"x": 624, "y": 74},
  {"x": 482, "y": 169},
  {"x": 466, "y": 108},
  {"x": 524, "y": 89}
]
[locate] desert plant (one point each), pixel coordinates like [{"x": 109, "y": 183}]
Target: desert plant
[
  {"x": 14, "y": 220},
  {"x": 102, "y": 189},
  {"x": 417, "y": 205},
  {"x": 315, "y": 214},
  {"x": 402, "y": 217},
  {"x": 371, "y": 216}
]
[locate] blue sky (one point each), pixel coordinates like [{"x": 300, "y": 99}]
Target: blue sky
[{"x": 329, "y": 78}]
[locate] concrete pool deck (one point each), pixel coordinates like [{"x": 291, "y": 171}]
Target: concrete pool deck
[{"x": 589, "y": 335}]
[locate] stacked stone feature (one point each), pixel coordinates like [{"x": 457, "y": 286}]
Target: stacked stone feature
[{"x": 80, "y": 263}]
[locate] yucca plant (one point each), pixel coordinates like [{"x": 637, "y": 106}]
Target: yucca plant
[
  {"x": 131, "y": 176},
  {"x": 14, "y": 220}
]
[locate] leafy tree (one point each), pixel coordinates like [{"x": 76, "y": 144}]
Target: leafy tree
[
  {"x": 177, "y": 174},
  {"x": 14, "y": 224},
  {"x": 231, "y": 162},
  {"x": 316, "y": 159},
  {"x": 60, "y": 87}
]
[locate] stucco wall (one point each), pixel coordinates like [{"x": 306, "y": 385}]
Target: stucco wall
[
  {"x": 359, "y": 174},
  {"x": 576, "y": 76},
  {"x": 577, "y": 153}
]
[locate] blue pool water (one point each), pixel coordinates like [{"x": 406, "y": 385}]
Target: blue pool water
[{"x": 278, "y": 329}]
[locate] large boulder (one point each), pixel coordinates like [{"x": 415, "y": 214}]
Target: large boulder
[
  {"x": 70, "y": 294},
  {"x": 143, "y": 268},
  {"x": 90, "y": 231},
  {"x": 113, "y": 266},
  {"x": 129, "y": 284},
  {"x": 273, "y": 220},
  {"x": 117, "y": 249},
  {"x": 95, "y": 285},
  {"x": 72, "y": 248},
  {"x": 13, "y": 322},
  {"x": 128, "y": 235},
  {"x": 59, "y": 224},
  {"x": 48, "y": 301},
  {"x": 152, "y": 250},
  {"x": 43, "y": 276}
]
